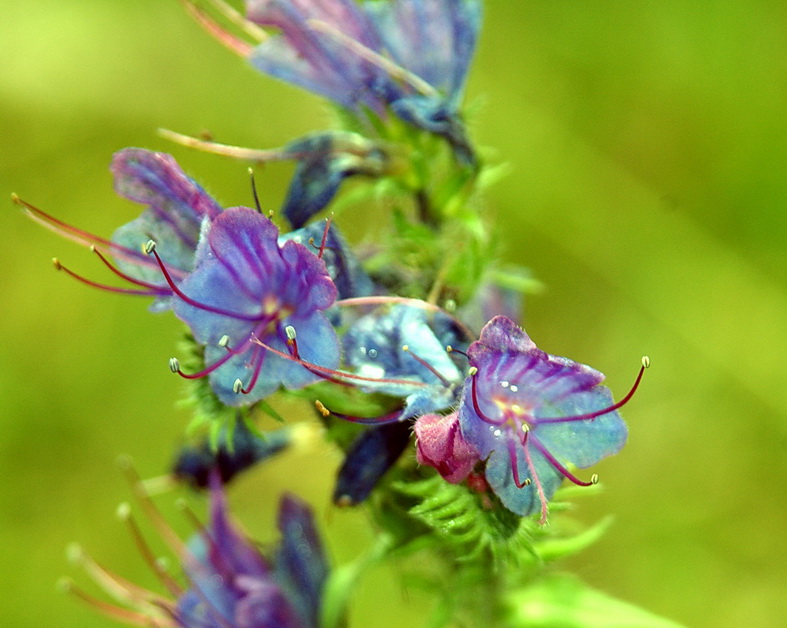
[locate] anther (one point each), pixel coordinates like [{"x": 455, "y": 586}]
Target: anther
[
  {"x": 57, "y": 264},
  {"x": 645, "y": 361},
  {"x": 224, "y": 341},
  {"x": 174, "y": 365},
  {"x": 149, "y": 247},
  {"x": 237, "y": 386},
  {"x": 321, "y": 408},
  {"x": 594, "y": 478},
  {"x": 123, "y": 511},
  {"x": 472, "y": 371},
  {"x": 290, "y": 331}
]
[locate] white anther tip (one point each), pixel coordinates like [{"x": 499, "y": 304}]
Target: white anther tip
[
  {"x": 237, "y": 386},
  {"x": 472, "y": 370},
  {"x": 290, "y": 331},
  {"x": 224, "y": 341},
  {"x": 123, "y": 511},
  {"x": 594, "y": 478},
  {"x": 149, "y": 247},
  {"x": 645, "y": 361},
  {"x": 174, "y": 365}
]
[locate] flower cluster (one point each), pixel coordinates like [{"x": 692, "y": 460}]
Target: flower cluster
[{"x": 408, "y": 346}]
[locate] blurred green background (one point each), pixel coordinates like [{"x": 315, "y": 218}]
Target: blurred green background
[{"x": 648, "y": 192}]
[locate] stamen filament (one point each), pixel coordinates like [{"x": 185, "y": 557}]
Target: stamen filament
[
  {"x": 334, "y": 373},
  {"x": 227, "y": 150},
  {"x": 428, "y": 366},
  {"x": 233, "y": 43},
  {"x": 597, "y": 413},
  {"x": 116, "y": 613},
  {"x": 202, "y": 306},
  {"x": 515, "y": 464},
  {"x": 155, "y": 565},
  {"x": 554, "y": 462},
  {"x": 477, "y": 406},
  {"x": 391, "y": 417},
  {"x": 367, "y": 54},
  {"x": 153, "y": 292},
  {"x": 120, "y": 273}
]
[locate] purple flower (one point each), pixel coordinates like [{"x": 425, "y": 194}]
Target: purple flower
[
  {"x": 246, "y": 289},
  {"x": 409, "y": 55},
  {"x": 229, "y": 582},
  {"x": 177, "y": 207},
  {"x": 232, "y": 584},
  {"x": 531, "y": 414}
]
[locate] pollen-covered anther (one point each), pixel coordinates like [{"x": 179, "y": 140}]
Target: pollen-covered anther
[
  {"x": 472, "y": 371},
  {"x": 149, "y": 247},
  {"x": 321, "y": 408},
  {"x": 291, "y": 334},
  {"x": 237, "y": 386},
  {"x": 645, "y": 361},
  {"x": 56, "y": 263},
  {"x": 174, "y": 365},
  {"x": 224, "y": 341},
  {"x": 594, "y": 478}
]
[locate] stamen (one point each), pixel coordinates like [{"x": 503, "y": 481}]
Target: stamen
[
  {"x": 451, "y": 349},
  {"x": 257, "y": 359},
  {"x": 124, "y": 514},
  {"x": 515, "y": 466},
  {"x": 174, "y": 365},
  {"x": 476, "y": 405},
  {"x": 227, "y": 150},
  {"x": 120, "y": 273},
  {"x": 391, "y": 417},
  {"x": 234, "y": 17},
  {"x": 161, "y": 525},
  {"x": 597, "y": 413},
  {"x": 292, "y": 340},
  {"x": 565, "y": 472},
  {"x": 150, "y": 248},
  {"x": 119, "y": 588},
  {"x": 334, "y": 374},
  {"x": 154, "y": 292},
  {"x": 254, "y": 191},
  {"x": 367, "y": 54},
  {"x": 325, "y": 236},
  {"x": 116, "y": 613},
  {"x": 233, "y": 43},
  {"x": 428, "y": 366}
]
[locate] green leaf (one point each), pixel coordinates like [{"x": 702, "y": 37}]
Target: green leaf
[{"x": 562, "y": 600}]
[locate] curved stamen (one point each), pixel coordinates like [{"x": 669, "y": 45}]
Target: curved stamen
[
  {"x": 153, "y": 292},
  {"x": 391, "y": 417},
  {"x": 124, "y": 513},
  {"x": 257, "y": 359},
  {"x": 329, "y": 373},
  {"x": 428, "y": 366},
  {"x": 221, "y": 34},
  {"x": 515, "y": 463},
  {"x": 539, "y": 487},
  {"x": 563, "y": 471},
  {"x": 116, "y": 613},
  {"x": 150, "y": 248},
  {"x": 174, "y": 366},
  {"x": 369, "y": 55},
  {"x": 612, "y": 408},
  {"x": 476, "y": 405},
  {"x": 121, "y": 274}
]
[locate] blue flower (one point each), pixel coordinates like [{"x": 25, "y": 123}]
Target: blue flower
[
  {"x": 246, "y": 289},
  {"x": 177, "y": 208},
  {"x": 531, "y": 414},
  {"x": 411, "y": 56},
  {"x": 229, "y": 582},
  {"x": 232, "y": 584}
]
